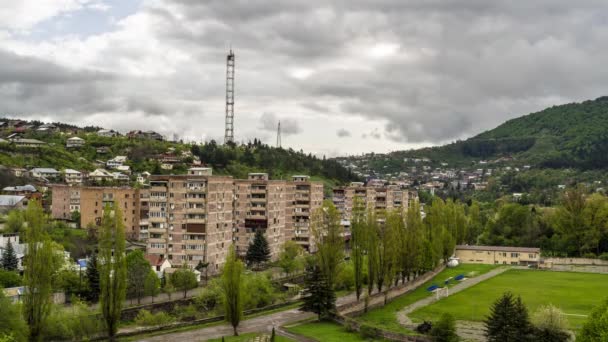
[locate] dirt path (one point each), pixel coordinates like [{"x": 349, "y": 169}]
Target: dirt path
[{"x": 468, "y": 329}]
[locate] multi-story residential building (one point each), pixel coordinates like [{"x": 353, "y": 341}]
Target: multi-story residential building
[
  {"x": 344, "y": 198},
  {"x": 144, "y": 210},
  {"x": 190, "y": 219},
  {"x": 305, "y": 196},
  {"x": 72, "y": 176},
  {"x": 74, "y": 142},
  {"x": 44, "y": 173},
  {"x": 260, "y": 204},
  {"x": 90, "y": 202}
]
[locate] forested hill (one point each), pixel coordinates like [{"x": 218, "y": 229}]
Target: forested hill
[
  {"x": 148, "y": 154},
  {"x": 570, "y": 135}
]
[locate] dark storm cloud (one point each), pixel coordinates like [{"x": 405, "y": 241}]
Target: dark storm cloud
[
  {"x": 270, "y": 122},
  {"x": 343, "y": 133},
  {"x": 423, "y": 70}
]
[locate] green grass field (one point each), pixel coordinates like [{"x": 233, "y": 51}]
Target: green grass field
[
  {"x": 327, "y": 332},
  {"x": 574, "y": 293},
  {"x": 385, "y": 317}
]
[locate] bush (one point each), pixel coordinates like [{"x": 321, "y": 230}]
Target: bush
[
  {"x": 368, "y": 332},
  {"x": 145, "y": 318},
  {"x": 210, "y": 297},
  {"x": 187, "y": 313},
  {"x": 604, "y": 256},
  {"x": 590, "y": 255},
  {"x": 346, "y": 277},
  {"x": 259, "y": 291},
  {"x": 72, "y": 324},
  {"x": 9, "y": 278},
  {"x": 445, "y": 329}
]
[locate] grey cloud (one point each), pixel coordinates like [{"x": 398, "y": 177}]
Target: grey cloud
[
  {"x": 461, "y": 67},
  {"x": 270, "y": 122},
  {"x": 343, "y": 133}
]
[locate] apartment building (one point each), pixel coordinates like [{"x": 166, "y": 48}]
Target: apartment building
[
  {"x": 303, "y": 198},
  {"x": 260, "y": 204},
  {"x": 190, "y": 219},
  {"x": 91, "y": 201},
  {"x": 344, "y": 198}
]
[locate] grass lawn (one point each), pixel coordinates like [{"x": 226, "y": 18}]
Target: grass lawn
[
  {"x": 575, "y": 293},
  {"x": 327, "y": 332},
  {"x": 386, "y": 317},
  {"x": 248, "y": 337}
]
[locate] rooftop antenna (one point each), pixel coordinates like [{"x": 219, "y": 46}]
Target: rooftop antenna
[
  {"x": 229, "y": 134},
  {"x": 279, "y": 135}
]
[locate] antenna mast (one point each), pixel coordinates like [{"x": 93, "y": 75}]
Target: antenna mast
[
  {"x": 229, "y": 135},
  {"x": 279, "y": 135}
]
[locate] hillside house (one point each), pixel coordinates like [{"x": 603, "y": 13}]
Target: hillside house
[
  {"x": 107, "y": 133},
  {"x": 44, "y": 173},
  {"x": 72, "y": 176},
  {"x": 27, "y": 142},
  {"x": 12, "y": 202},
  {"x": 100, "y": 175},
  {"x": 74, "y": 142}
]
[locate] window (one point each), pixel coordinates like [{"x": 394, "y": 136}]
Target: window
[{"x": 514, "y": 255}]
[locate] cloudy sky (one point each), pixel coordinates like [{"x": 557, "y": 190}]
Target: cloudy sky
[{"x": 342, "y": 76}]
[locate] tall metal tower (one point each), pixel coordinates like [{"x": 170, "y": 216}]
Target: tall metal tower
[
  {"x": 279, "y": 135},
  {"x": 229, "y": 136}
]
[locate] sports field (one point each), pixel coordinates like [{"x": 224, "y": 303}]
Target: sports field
[
  {"x": 575, "y": 293},
  {"x": 386, "y": 316}
]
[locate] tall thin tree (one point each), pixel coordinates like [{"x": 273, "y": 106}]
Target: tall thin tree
[
  {"x": 113, "y": 267},
  {"x": 357, "y": 241},
  {"x": 329, "y": 240},
  {"x": 231, "y": 284},
  {"x": 41, "y": 264}
]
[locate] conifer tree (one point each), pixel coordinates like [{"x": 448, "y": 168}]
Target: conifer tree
[
  {"x": 9, "y": 258},
  {"x": 445, "y": 329},
  {"x": 318, "y": 297},
  {"x": 258, "y": 251},
  {"x": 508, "y": 321},
  {"x": 92, "y": 274}
]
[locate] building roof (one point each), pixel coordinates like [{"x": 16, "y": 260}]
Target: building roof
[
  {"x": 3, "y": 141},
  {"x": 44, "y": 170},
  {"x": 10, "y": 200},
  {"x": 28, "y": 141},
  {"x": 18, "y": 188},
  {"x": 155, "y": 260},
  {"x": 70, "y": 171},
  {"x": 499, "y": 249},
  {"x": 75, "y": 139}
]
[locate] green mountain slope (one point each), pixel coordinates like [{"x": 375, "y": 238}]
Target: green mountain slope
[{"x": 571, "y": 135}]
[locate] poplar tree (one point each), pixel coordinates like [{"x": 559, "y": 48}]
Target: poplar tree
[
  {"x": 112, "y": 267},
  {"x": 371, "y": 242},
  {"x": 231, "y": 284},
  {"x": 41, "y": 264},
  {"x": 328, "y": 236},
  {"x": 357, "y": 241}
]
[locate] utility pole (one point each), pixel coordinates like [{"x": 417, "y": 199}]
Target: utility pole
[
  {"x": 229, "y": 135},
  {"x": 279, "y": 135}
]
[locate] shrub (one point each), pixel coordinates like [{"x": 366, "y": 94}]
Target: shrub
[
  {"x": 210, "y": 297},
  {"x": 590, "y": 255},
  {"x": 604, "y": 256},
  {"x": 445, "y": 329},
  {"x": 368, "y": 332},
  {"x": 145, "y": 318},
  {"x": 75, "y": 323}
]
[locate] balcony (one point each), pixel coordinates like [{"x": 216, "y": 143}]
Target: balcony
[
  {"x": 256, "y": 216},
  {"x": 157, "y": 230},
  {"x": 196, "y": 220}
]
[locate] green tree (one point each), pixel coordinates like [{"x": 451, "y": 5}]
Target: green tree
[
  {"x": 551, "y": 325},
  {"x": 9, "y": 278},
  {"x": 167, "y": 285},
  {"x": 290, "y": 257},
  {"x": 231, "y": 285},
  {"x": 318, "y": 296},
  {"x": 388, "y": 250},
  {"x": 75, "y": 216},
  {"x": 258, "y": 251},
  {"x": 112, "y": 268},
  {"x": 92, "y": 274},
  {"x": 9, "y": 258},
  {"x": 152, "y": 284},
  {"x": 39, "y": 269},
  {"x": 14, "y": 221},
  {"x": 596, "y": 326},
  {"x": 444, "y": 330},
  {"x": 184, "y": 279},
  {"x": 327, "y": 233},
  {"x": 11, "y": 321},
  {"x": 137, "y": 271},
  {"x": 508, "y": 321},
  {"x": 358, "y": 244}
]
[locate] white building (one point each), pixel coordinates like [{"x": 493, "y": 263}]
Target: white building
[
  {"x": 74, "y": 142},
  {"x": 100, "y": 175},
  {"x": 72, "y": 176},
  {"x": 44, "y": 173}
]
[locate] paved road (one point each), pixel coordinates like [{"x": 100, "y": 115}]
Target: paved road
[{"x": 257, "y": 324}]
